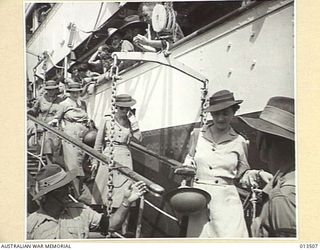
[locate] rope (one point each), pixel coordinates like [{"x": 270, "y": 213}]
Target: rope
[
  {"x": 36, "y": 156},
  {"x": 254, "y": 200},
  {"x": 56, "y": 66},
  {"x": 161, "y": 211},
  {"x": 95, "y": 25}
]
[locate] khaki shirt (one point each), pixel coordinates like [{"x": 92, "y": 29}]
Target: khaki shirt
[
  {"x": 278, "y": 215},
  {"x": 74, "y": 223}
]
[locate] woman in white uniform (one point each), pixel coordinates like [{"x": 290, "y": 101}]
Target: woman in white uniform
[
  {"x": 125, "y": 128},
  {"x": 219, "y": 155}
]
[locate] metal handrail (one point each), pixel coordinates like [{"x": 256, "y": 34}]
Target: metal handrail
[
  {"x": 154, "y": 188},
  {"x": 173, "y": 163}
]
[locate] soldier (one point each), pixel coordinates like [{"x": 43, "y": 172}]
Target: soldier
[
  {"x": 276, "y": 143},
  {"x": 61, "y": 217}
]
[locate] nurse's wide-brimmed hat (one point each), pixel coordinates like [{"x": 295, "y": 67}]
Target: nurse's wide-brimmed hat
[
  {"x": 52, "y": 177},
  {"x": 80, "y": 66},
  {"x": 277, "y": 118},
  {"x": 74, "y": 87},
  {"x": 125, "y": 100},
  {"x": 129, "y": 22},
  {"x": 51, "y": 84},
  {"x": 221, "y": 100}
]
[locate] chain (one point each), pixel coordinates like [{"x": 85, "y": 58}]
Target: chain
[
  {"x": 34, "y": 83},
  {"x": 44, "y": 65},
  {"x": 114, "y": 71},
  {"x": 204, "y": 103}
]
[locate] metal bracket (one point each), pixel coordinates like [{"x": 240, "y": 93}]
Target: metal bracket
[{"x": 161, "y": 59}]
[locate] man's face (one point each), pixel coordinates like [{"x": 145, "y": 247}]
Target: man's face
[{"x": 61, "y": 195}]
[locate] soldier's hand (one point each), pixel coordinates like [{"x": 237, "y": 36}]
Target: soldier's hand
[
  {"x": 136, "y": 190},
  {"x": 265, "y": 176},
  {"x": 255, "y": 178},
  {"x": 140, "y": 39}
]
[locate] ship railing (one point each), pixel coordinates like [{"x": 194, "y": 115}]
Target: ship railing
[{"x": 152, "y": 187}]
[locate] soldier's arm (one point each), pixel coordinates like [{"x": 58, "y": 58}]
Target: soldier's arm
[{"x": 136, "y": 191}]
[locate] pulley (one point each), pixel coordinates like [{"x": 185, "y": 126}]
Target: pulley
[{"x": 163, "y": 18}]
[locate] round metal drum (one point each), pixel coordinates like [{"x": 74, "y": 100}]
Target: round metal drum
[{"x": 90, "y": 137}]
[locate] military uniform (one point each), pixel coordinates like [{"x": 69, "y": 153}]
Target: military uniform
[
  {"x": 74, "y": 223},
  {"x": 278, "y": 218}
]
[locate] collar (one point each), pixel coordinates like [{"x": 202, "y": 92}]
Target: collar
[
  {"x": 43, "y": 216},
  {"x": 77, "y": 102},
  {"x": 230, "y": 136}
]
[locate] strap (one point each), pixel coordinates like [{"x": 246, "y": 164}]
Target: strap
[{"x": 193, "y": 146}]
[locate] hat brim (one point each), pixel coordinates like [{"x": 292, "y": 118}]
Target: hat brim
[
  {"x": 124, "y": 27},
  {"x": 51, "y": 87},
  {"x": 118, "y": 31},
  {"x": 126, "y": 104},
  {"x": 134, "y": 24},
  {"x": 267, "y": 127},
  {"x": 69, "y": 177},
  {"x": 221, "y": 106},
  {"x": 74, "y": 90}
]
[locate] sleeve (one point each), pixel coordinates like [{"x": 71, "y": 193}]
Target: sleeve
[
  {"x": 100, "y": 136},
  {"x": 242, "y": 152},
  {"x": 193, "y": 142},
  {"x": 137, "y": 135},
  {"x": 93, "y": 217},
  {"x": 94, "y": 60},
  {"x": 277, "y": 218},
  {"x": 282, "y": 217},
  {"x": 32, "y": 222},
  {"x": 60, "y": 112},
  {"x": 189, "y": 159}
]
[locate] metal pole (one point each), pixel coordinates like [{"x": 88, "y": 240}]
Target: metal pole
[
  {"x": 65, "y": 73},
  {"x": 153, "y": 188},
  {"x": 41, "y": 149}
]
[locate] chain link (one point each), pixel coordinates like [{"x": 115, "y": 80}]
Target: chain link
[
  {"x": 44, "y": 65},
  {"x": 114, "y": 75},
  {"x": 204, "y": 103}
]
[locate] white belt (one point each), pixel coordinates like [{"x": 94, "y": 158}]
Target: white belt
[{"x": 215, "y": 181}]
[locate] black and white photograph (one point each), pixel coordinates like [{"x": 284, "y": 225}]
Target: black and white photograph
[{"x": 160, "y": 120}]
